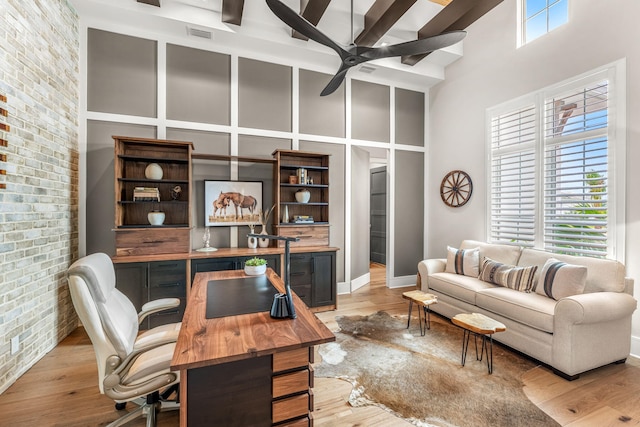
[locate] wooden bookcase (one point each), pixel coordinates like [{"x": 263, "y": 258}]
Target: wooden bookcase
[
  {"x": 289, "y": 163},
  {"x": 134, "y": 234}
]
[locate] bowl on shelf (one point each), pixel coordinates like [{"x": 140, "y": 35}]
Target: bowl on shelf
[
  {"x": 155, "y": 217},
  {"x": 303, "y": 196}
]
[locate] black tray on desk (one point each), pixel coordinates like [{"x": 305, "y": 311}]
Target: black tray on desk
[{"x": 243, "y": 295}]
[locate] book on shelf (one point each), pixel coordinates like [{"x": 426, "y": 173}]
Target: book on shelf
[
  {"x": 146, "y": 194},
  {"x": 303, "y": 219}
]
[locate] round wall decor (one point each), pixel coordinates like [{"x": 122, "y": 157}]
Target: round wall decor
[{"x": 456, "y": 188}]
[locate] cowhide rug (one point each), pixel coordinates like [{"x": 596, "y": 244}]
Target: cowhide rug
[{"x": 421, "y": 379}]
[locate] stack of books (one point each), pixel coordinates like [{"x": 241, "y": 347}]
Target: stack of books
[
  {"x": 302, "y": 219},
  {"x": 146, "y": 194}
]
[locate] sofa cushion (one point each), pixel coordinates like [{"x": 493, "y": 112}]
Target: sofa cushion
[
  {"x": 457, "y": 286},
  {"x": 463, "y": 261},
  {"x": 506, "y": 254},
  {"x": 510, "y": 276},
  {"x": 527, "y": 308},
  {"x": 602, "y": 274},
  {"x": 559, "y": 280}
]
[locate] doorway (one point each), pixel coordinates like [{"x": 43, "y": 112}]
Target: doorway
[{"x": 378, "y": 215}]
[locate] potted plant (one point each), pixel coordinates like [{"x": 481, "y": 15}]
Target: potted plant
[{"x": 255, "y": 266}]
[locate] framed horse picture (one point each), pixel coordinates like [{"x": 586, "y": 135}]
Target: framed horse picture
[{"x": 232, "y": 203}]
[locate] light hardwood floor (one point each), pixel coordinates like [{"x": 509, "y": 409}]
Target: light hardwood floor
[{"x": 61, "y": 389}]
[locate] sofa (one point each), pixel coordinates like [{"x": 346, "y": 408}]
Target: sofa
[{"x": 572, "y": 330}]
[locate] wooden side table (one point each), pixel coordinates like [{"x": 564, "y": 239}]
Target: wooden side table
[
  {"x": 424, "y": 300},
  {"x": 478, "y": 325}
]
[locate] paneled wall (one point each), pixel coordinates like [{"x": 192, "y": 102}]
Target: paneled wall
[
  {"x": 233, "y": 105},
  {"x": 39, "y": 206}
]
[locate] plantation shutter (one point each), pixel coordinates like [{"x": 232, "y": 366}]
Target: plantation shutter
[
  {"x": 513, "y": 177},
  {"x": 576, "y": 202}
]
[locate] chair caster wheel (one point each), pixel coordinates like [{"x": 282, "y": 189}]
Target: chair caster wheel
[{"x": 120, "y": 406}]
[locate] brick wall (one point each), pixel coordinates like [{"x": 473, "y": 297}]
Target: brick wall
[{"x": 39, "y": 47}]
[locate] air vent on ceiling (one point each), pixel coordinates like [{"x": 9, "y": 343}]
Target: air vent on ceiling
[
  {"x": 366, "y": 69},
  {"x": 196, "y": 32}
]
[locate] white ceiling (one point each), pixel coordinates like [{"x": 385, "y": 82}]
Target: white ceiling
[{"x": 263, "y": 35}]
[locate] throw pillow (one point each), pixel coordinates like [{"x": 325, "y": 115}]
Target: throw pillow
[
  {"x": 509, "y": 276},
  {"x": 559, "y": 280},
  {"x": 463, "y": 261}
]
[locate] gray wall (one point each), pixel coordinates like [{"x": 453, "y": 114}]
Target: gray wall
[
  {"x": 493, "y": 71},
  {"x": 409, "y": 212},
  {"x": 360, "y": 209}
]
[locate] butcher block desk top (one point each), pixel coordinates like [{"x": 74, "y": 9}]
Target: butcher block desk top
[{"x": 204, "y": 342}]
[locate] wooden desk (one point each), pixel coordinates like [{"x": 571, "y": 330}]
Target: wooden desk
[{"x": 247, "y": 369}]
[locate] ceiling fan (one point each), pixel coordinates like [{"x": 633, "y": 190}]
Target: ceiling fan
[{"x": 353, "y": 55}]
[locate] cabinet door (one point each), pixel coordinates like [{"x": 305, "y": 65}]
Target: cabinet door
[
  {"x": 324, "y": 278},
  {"x": 213, "y": 264},
  {"x": 300, "y": 277},
  {"x": 167, "y": 279},
  {"x": 131, "y": 280}
]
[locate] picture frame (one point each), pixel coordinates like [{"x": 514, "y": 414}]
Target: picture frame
[{"x": 232, "y": 203}]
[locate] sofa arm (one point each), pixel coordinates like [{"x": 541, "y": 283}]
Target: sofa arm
[
  {"x": 428, "y": 267},
  {"x": 596, "y": 307}
]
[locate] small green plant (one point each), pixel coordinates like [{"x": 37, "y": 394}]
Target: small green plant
[{"x": 255, "y": 262}]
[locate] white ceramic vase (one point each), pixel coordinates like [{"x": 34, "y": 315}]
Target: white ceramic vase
[
  {"x": 303, "y": 196},
  {"x": 155, "y": 217},
  {"x": 263, "y": 243},
  {"x": 153, "y": 171},
  {"x": 252, "y": 242}
]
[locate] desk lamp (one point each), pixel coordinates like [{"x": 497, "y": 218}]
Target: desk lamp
[{"x": 282, "y": 306}]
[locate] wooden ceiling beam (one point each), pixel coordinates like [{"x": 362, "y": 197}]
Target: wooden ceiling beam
[
  {"x": 151, "y": 2},
  {"x": 380, "y": 17},
  {"x": 232, "y": 11},
  {"x": 458, "y": 15},
  {"x": 312, "y": 11}
]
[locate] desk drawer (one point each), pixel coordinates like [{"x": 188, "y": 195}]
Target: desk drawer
[
  {"x": 292, "y": 407},
  {"x": 291, "y": 383},
  {"x": 299, "y": 358}
]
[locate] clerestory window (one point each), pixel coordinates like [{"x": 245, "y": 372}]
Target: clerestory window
[{"x": 539, "y": 17}]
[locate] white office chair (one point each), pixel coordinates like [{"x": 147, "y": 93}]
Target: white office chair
[{"x": 131, "y": 367}]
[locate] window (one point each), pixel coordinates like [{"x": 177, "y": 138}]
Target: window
[
  {"x": 541, "y": 16},
  {"x": 556, "y": 166}
]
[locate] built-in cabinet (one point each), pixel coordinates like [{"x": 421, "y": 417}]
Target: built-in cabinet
[
  {"x": 298, "y": 172},
  {"x": 152, "y": 196},
  {"x": 142, "y": 282}
]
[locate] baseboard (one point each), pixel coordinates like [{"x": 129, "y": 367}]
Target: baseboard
[
  {"x": 343, "y": 288},
  {"x": 402, "y": 281},
  {"x": 635, "y": 347},
  {"x": 359, "y": 282}
]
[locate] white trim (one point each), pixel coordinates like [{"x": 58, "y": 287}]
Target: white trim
[
  {"x": 359, "y": 282},
  {"x": 343, "y": 288},
  {"x": 402, "y": 282}
]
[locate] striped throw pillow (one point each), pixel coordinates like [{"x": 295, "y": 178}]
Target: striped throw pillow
[
  {"x": 463, "y": 261},
  {"x": 509, "y": 276},
  {"x": 559, "y": 280}
]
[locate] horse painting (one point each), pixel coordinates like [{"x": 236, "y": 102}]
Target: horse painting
[
  {"x": 240, "y": 201},
  {"x": 220, "y": 204}
]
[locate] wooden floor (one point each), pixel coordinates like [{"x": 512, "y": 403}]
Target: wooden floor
[{"x": 61, "y": 389}]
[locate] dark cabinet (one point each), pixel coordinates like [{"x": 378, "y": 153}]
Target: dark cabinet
[
  {"x": 230, "y": 263},
  {"x": 313, "y": 278},
  {"x": 142, "y": 282}
]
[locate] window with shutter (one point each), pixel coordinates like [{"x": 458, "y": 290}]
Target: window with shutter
[{"x": 552, "y": 168}]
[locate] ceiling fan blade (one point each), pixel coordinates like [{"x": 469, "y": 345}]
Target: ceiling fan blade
[
  {"x": 301, "y": 25},
  {"x": 415, "y": 47},
  {"x": 336, "y": 81}
]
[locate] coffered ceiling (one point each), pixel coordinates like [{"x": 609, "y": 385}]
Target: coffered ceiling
[{"x": 249, "y": 27}]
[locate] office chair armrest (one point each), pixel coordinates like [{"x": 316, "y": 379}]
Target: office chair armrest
[{"x": 156, "y": 306}]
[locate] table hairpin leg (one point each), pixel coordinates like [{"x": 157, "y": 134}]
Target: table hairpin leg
[
  {"x": 409, "y": 316},
  {"x": 483, "y": 347}
]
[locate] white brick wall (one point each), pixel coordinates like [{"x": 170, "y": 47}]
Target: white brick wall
[{"x": 39, "y": 47}]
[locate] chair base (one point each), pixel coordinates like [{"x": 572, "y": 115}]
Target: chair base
[{"x": 148, "y": 408}]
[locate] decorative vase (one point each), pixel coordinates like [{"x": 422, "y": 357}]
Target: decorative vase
[
  {"x": 153, "y": 171},
  {"x": 285, "y": 215},
  {"x": 263, "y": 243},
  {"x": 255, "y": 270},
  {"x": 252, "y": 242},
  {"x": 303, "y": 196},
  {"x": 155, "y": 217}
]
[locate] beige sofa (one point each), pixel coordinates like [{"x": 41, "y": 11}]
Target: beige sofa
[{"x": 572, "y": 335}]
